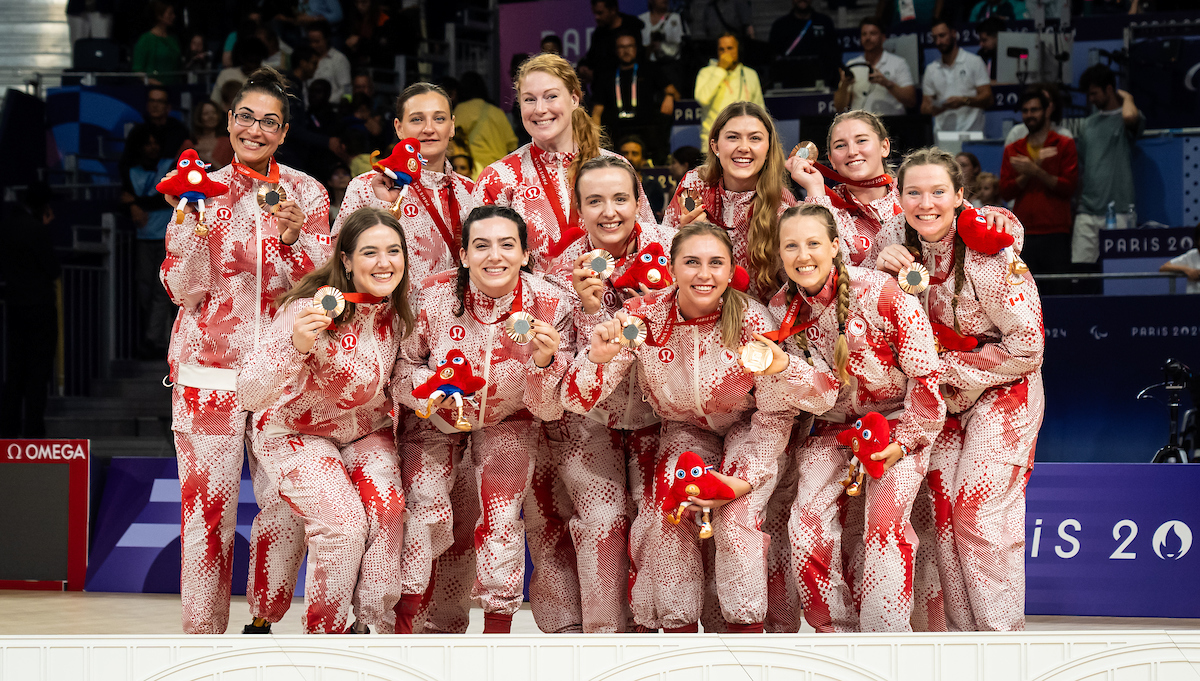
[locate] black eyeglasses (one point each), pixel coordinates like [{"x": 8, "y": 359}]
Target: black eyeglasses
[{"x": 267, "y": 125}]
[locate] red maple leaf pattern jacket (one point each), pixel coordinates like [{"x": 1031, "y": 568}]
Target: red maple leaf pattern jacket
[
  {"x": 514, "y": 382},
  {"x": 735, "y": 216},
  {"x": 339, "y": 390},
  {"x": 893, "y": 364},
  {"x": 226, "y": 283},
  {"x": 428, "y": 250},
  {"x": 513, "y": 181},
  {"x": 626, "y": 407},
  {"x": 695, "y": 379}
]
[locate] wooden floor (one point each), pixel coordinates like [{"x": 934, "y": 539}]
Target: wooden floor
[{"x": 74, "y": 613}]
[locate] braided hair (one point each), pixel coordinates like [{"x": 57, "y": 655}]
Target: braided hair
[
  {"x": 482, "y": 213},
  {"x": 841, "y": 349}
]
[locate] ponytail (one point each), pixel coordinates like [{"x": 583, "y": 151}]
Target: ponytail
[{"x": 588, "y": 138}]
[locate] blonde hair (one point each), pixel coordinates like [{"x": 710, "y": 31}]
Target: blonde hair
[
  {"x": 733, "y": 301},
  {"x": 841, "y": 349},
  {"x": 588, "y": 135},
  {"x": 932, "y": 156},
  {"x": 874, "y": 122},
  {"x": 763, "y": 246}
]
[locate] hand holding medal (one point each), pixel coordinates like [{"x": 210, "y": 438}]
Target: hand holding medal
[
  {"x": 762, "y": 357},
  {"x": 608, "y": 338},
  {"x": 691, "y": 207},
  {"x": 801, "y": 165},
  {"x": 591, "y": 270},
  {"x": 327, "y": 303}
]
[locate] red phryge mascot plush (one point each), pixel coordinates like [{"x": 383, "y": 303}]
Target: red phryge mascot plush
[
  {"x": 649, "y": 267},
  {"x": 191, "y": 183},
  {"x": 869, "y": 435},
  {"x": 973, "y": 229},
  {"x": 403, "y": 165},
  {"x": 946, "y": 338},
  {"x": 454, "y": 378},
  {"x": 693, "y": 478}
]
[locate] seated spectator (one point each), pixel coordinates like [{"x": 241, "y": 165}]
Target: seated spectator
[
  {"x": 1001, "y": 9},
  {"x": 339, "y": 179},
  {"x": 989, "y": 38},
  {"x": 683, "y": 159},
  {"x": 277, "y": 52},
  {"x": 1054, "y": 96},
  {"x": 889, "y": 90},
  {"x": 805, "y": 47},
  {"x": 724, "y": 81},
  {"x": 1039, "y": 173},
  {"x": 167, "y": 129},
  {"x": 369, "y": 34},
  {"x": 198, "y": 57},
  {"x": 633, "y": 149},
  {"x": 89, "y": 19},
  {"x": 601, "y": 57},
  {"x": 956, "y": 88},
  {"x": 551, "y": 44},
  {"x": 312, "y": 12},
  {"x": 364, "y": 84},
  {"x": 987, "y": 190},
  {"x": 634, "y": 99},
  {"x": 1187, "y": 264},
  {"x": 157, "y": 52},
  {"x": 333, "y": 67},
  {"x": 462, "y": 162},
  {"x": 662, "y": 31},
  {"x": 226, "y": 94},
  {"x": 360, "y": 115},
  {"x": 246, "y": 28},
  {"x": 486, "y": 131},
  {"x": 143, "y": 164},
  {"x": 969, "y": 164},
  {"x": 712, "y": 19},
  {"x": 248, "y": 54},
  {"x": 209, "y": 137}
]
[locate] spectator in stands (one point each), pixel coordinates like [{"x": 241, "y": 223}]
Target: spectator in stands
[
  {"x": 634, "y": 99},
  {"x": 662, "y": 31},
  {"x": 633, "y": 149},
  {"x": 364, "y": 84},
  {"x": 969, "y": 163},
  {"x": 551, "y": 44},
  {"x": 168, "y": 130},
  {"x": 333, "y": 67},
  {"x": 684, "y": 159},
  {"x": 157, "y": 52},
  {"x": 804, "y": 46},
  {"x": 199, "y": 57},
  {"x": 601, "y": 57},
  {"x": 724, "y": 81},
  {"x": 339, "y": 179},
  {"x": 311, "y": 13},
  {"x": 1187, "y": 263},
  {"x": 712, "y": 19},
  {"x": 987, "y": 190},
  {"x": 920, "y": 12},
  {"x": 322, "y": 119},
  {"x": 248, "y": 55},
  {"x": 369, "y": 39},
  {"x": 277, "y": 53},
  {"x": 956, "y": 88},
  {"x": 1001, "y": 9},
  {"x": 247, "y": 27},
  {"x": 462, "y": 162},
  {"x": 989, "y": 38},
  {"x": 89, "y": 19},
  {"x": 1105, "y": 146},
  {"x": 1039, "y": 173},
  {"x": 360, "y": 115},
  {"x": 150, "y": 214},
  {"x": 1054, "y": 95},
  {"x": 304, "y": 143},
  {"x": 890, "y": 91},
  {"x": 209, "y": 137},
  {"x": 486, "y": 130},
  {"x": 226, "y": 94},
  {"x": 29, "y": 267}
]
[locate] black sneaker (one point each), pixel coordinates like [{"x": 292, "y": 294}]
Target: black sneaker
[
  {"x": 257, "y": 626},
  {"x": 358, "y": 628}
]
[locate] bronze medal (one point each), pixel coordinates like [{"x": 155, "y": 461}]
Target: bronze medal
[
  {"x": 805, "y": 150},
  {"x": 270, "y": 196},
  {"x": 634, "y": 333},
  {"x": 913, "y": 278},
  {"x": 756, "y": 356},
  {"x": 601, "y": 262},
  {"x": 1016, "y": 269},
  {"x": 690, "y": 200},
  {"x": 519, "y": 327},
  {"x": 330, "y": 300}
]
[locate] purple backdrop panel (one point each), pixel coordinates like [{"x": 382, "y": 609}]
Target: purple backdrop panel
[{"x": 1112, "y": 539}]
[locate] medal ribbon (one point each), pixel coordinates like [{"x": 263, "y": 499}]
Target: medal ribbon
[
  {"x": 551, "y": 189},
  {"x": 355, "y": 298},
  {"x": 632, "y": 90},
  {"x": 516, "y": 306},
  {"x": 718, "y": 202},
  {"x": 453, "y": 233},
  {"x": 271, "y": 177},
  {"x": 786, "y": 329},
  {"x": 709, "y": 318},
  {"x": 832, "y": 174}
]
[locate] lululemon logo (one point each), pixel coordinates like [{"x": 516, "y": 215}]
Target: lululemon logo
[
  {"x": 610, "y": 298},
  {"x": 349, "y": 341},
  {"x": 864, "y": 243},
  {"x": 224, "y": 213},
  {"x": 531, "y": 193},
  {"x": 457, "y": 333},
  {"x": 813, "y": 333},
  {"x": 665, "y": 355},
  {"x": 410, "y": 210}
]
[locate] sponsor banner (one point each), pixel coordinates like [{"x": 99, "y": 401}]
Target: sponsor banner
[{"x": 1114, "y": 540}]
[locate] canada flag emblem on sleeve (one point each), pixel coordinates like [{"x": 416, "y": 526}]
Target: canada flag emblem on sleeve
[
  {"x": 1019, "y": 298},
  {"x": 324, "y": 239}
]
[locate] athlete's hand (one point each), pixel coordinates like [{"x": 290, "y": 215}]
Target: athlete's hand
[
  {"x": 687, "y": 217},
  {"x": 308, "y": 324},
  {"x": 999, "y": 222},
  {"x": 605, "y": 339},
  {"x": 174, "y": 200},
  {"x": 385, "y": 189},
  {"x": 889, "y": 456},
  {"x": 740, "y": 488},
  {"x": 290, "y": 220},
  {"x": 779, "y": 358},
  {"x": 545, "y": 343},
  {"x": 806, "y": 175},
  {"x": 894, "y": 258},
  {"x": 588, "y": 285}
]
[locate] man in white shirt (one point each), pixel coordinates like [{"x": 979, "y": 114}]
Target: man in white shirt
[
  {"x": 724, "y": 81},
  {"x": 888, "y": 90},
  {"x": 333, "y": 67},
  {"x": 956, "y": 88}
]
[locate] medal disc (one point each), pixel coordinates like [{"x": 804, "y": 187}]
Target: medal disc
[
  {"x": 520, "y": 327},
  {"x": 756, "y": 356},
  {"x": 270, "y": 196},
  {"x": 914, "y": 278},
  {"x": 690, "y": 200},
  {"x": 634, "y": 333},
  {"x": 330, "y": 299},
  {"x": 601, "y": 262},
  {"x": 805, "y": 150}
]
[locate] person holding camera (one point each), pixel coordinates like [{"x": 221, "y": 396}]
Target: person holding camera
[{"x": 889, "y": 88}]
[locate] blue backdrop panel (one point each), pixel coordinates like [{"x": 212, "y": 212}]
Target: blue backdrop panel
[
  {"x": 1100, "y": 352},
  {"x": 1112, "y": 540}
]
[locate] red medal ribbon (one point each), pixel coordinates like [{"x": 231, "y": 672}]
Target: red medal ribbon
[
  {"x": 786, "y": 329},
  {"x": 272, "y": 175},
  {"x": 516, "y": 306},
  {"x": 709, "y": 318},
  {"x": 551, "y": 189},
  {"x": 356, "y": 298},
  {"x": 934, "y": 281},
  {"x": 453, "y": 233},
  {"x": 718, "y": 202},
  {"x": 832, "y": 174}
]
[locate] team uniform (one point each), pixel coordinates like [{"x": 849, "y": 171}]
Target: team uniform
[
  {"x": 728, "y": 209},
  {"x": 322, "y": 433},
  {"x": 698, "y": 387},
  {"x": 506, "y": 430},
  {"x": 980, "y": 464},
  {"x": 893, "y": 367},
  {"x": 534, "y": 183},
  {"x": 578, "y": 516},
  {"x": 225, "y": 284}
]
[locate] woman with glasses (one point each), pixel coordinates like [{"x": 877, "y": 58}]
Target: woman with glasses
[{"x": 225, "y": 268}]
